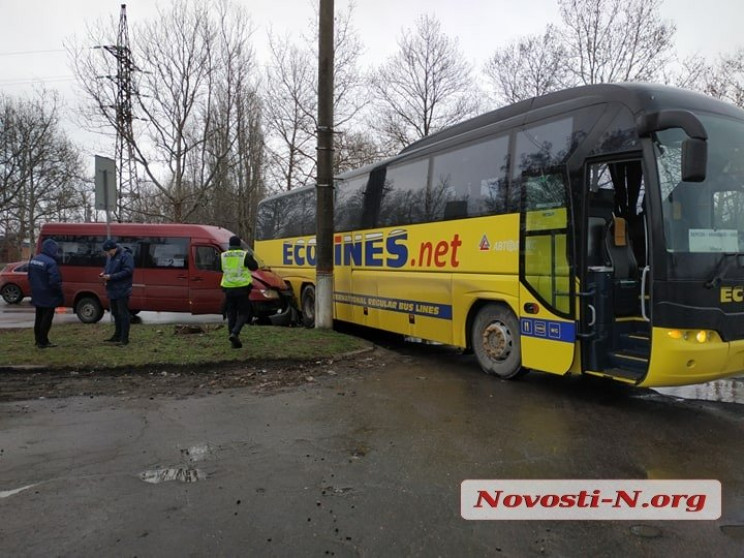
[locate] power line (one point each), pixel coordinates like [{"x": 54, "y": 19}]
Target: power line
[
  {"x": 29, "y": 81},
  {"x": 26, "y": 52}
]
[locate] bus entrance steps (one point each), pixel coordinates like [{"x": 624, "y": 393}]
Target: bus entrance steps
[{"x": 631, "y": 348}]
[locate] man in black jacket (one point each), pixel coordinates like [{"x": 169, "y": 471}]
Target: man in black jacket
[
  {"x": 118, "y": 275},
  {"x": 46, "y": 290}
]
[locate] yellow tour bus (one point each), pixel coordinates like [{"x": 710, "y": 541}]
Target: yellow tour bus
[{"x": 596, "y": 230}]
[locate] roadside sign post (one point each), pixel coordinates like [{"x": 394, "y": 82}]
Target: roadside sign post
[{"x": 106, "y": 188}]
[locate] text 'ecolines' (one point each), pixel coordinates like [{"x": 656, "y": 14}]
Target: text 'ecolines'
[{"x": 377, "y": 250}]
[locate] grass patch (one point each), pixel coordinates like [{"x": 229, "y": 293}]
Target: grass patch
[{"x": 81, "y": 346}]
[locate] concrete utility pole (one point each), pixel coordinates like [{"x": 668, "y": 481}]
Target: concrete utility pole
[{"x": 324, "y": 188}]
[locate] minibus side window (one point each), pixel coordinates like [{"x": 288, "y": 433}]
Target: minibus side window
[
  {"x": 165, "y": 252},
  {"x": 207, "y": 258}
]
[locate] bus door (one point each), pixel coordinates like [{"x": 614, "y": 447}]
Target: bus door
[
  {"x": 547, "y": 328},
  {"x": 614, "y": 307},
  {"x": 205, "y": 294}
]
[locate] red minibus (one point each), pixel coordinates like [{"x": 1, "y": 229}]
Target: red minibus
[{"x": 176, "y": 269}]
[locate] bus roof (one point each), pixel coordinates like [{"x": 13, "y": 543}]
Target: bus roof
[{"x": 638, "y": 97}]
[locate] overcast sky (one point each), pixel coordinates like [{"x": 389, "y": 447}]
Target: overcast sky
[{"x": 32, "y": 32}]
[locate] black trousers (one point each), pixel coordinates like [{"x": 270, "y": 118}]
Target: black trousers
[
  {"x": 237, "y": 309},
  {"x": 42, "y": 324},
  {"x": 120, "y": 312}
]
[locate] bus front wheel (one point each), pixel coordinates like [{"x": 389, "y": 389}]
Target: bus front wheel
[
  {"x": 89, "y": 310},
  {"x": 308, "y": 306},
  {"x": 495, "y": 341}
]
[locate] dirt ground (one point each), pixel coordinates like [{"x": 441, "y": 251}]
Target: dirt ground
[{"x": 262, "y": 377}]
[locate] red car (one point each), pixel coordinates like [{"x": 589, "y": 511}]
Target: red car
[{"x": 14, "y": 282}]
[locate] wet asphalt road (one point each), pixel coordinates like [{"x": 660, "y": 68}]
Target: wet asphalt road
[{"x": 362, "y": 465}]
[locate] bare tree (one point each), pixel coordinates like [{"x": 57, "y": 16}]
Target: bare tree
[
  {"x": 193, "y": 63},
  {"x": 356, "y": 149},
  {"x": 40, "y": 168},
  {"x": 722, "y": 78},
  {"x": 292, "y": 101},
  {"x": 426, "y": 86},
  {"x": 597, "y": 41},
  {"x": 12, "y": 173},
  {"x": 725, "y": 78},
  {"x": 689, "y": 73},
  {"x": 614, "y": 40},
  {"x": 529, "y": 67},
  {"x": 292, "y": 98}
]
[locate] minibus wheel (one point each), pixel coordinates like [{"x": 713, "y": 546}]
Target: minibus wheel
[
  {"x": 495, "y": 341},
  {"x": 308, "y": 306},
  {"x": 12, "y": 294},
  {"x": 89, "y": 310}
]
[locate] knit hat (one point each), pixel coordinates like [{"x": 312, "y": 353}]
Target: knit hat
[
  {"x": 235, "y": 241},
  {"x": 109, "y": 245}
]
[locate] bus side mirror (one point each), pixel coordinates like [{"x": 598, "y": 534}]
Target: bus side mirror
[{"x": 694, "y": 159}]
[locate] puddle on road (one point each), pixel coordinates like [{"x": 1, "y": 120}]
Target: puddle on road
[
  {"x": 646, "y": 531},
  {"x": 181, "y": 474},
  {"x": 197, "y": 453},
  {"x": 184, "y": 473},
  {"x": 9, "y": 493},
  {"x": 723, "y": 391}
]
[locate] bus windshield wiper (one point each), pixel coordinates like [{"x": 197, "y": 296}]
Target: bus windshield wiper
[{"x": 729, "y": 258}]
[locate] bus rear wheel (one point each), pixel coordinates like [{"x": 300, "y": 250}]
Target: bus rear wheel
[
  {"x": 495, "y": 340},
  {"x": 308, "y": 306}
]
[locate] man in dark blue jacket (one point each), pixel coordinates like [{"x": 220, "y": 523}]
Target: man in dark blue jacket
[
  {"x": 46, "y": 290},
  {"x": 118, "y": 277}
]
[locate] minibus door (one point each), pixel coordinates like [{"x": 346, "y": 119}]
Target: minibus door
[
  {"x": 205, "y": 294},
  {"x": 166, "y": 275}
]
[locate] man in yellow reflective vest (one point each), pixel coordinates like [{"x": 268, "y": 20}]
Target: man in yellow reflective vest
[{"x": 237, "y": 265}]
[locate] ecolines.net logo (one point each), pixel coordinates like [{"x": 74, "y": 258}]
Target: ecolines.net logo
[
  {"x": 590, "y": 499},
  {"x": 378, "y": 249}
]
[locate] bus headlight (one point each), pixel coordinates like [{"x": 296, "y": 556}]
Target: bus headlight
[{"x": 701, "y": 336}]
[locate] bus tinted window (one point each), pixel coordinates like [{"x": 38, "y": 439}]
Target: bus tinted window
[
  {"x": 473, "y": 179},
  {"x": 547, "y": 191},
  {"x": 349, "y": 202},
  {"x": 271, "y": 218},
  {"x": 543, "y": 146},
  {"x": 406, "y": 198},
  {"x": 621, "y": 135},
  {"x": 300, "y": 210}
]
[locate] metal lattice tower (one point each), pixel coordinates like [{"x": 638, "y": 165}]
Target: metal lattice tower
[{"x": 126, "y": 167}]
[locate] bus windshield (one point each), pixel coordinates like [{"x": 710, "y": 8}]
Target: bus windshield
[{"x": 703, "y": 220}]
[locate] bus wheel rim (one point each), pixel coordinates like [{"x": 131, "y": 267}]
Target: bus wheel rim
[{"x": 497, "y": 341}]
